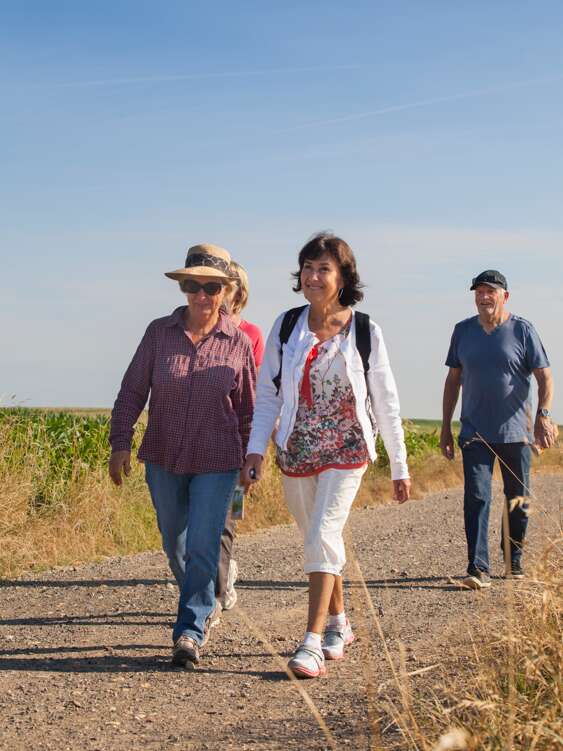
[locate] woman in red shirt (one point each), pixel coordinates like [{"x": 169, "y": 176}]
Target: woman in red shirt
[
  {"x": 237, "y": 303},
  {"x": 228, "y": 569}
]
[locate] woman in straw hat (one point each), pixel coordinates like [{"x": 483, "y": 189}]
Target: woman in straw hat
[{"x": 199, "y": 370}]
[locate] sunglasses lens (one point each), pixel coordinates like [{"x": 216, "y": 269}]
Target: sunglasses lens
[{"x": 193, "y": 287}]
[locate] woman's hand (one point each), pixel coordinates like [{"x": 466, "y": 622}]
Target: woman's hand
[
  {"x": 119, "y": 461},
  {"x": 252, "y": 470},
  {"x": 401, "y": 490}
]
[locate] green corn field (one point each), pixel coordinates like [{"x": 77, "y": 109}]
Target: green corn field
[
  {"x": 59, "y": 448},
  {"x": 62, "y": 448}
]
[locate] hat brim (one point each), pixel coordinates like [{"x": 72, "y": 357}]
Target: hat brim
[
  {"x": 180, "y": 274},
  {"x": 494, "y": 285}
]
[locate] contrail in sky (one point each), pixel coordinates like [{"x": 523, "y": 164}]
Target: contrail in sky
[
  {"x": 423, "y": 103},
  {"x": 199, "y": 76}
]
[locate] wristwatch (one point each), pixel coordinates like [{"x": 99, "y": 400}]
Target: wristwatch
[{"x": 543, "y": 412}]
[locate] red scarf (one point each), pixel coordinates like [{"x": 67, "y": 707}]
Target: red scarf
[{"x": 306, "y": 391}]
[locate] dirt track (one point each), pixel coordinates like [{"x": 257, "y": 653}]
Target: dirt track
[{"x": 84, "y": 652}]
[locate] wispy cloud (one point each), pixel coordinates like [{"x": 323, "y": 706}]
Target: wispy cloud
[
  {"x": 487, "y": 91},
  {"x": 202, "y": 76}
]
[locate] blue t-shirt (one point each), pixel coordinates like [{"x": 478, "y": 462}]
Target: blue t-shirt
[{"x": 496, "y": 371}]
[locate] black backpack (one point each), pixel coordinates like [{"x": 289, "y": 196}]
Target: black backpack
[{"x": 363, "y": 339}]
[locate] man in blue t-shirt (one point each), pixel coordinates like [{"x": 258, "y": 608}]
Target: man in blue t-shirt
[{"x": 492, "y": 357}]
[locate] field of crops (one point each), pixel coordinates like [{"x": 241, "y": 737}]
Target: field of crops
[
  {"x": 58, "y": 506},
  {"x": 62, "y": 448}
]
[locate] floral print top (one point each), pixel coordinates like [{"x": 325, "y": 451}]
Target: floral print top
[{"x": 327, "y": 433}]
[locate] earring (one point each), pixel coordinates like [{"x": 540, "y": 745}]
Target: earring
[{"x": 340, "y": 291}]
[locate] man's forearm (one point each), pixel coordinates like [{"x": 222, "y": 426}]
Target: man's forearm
[
  {"x": 545, "y": 387},
  {"x": 451, "y": 395}
]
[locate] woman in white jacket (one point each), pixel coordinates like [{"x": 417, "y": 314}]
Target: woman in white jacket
[{"x": 327, "y": 404}]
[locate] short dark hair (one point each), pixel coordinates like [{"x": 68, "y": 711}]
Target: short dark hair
[{"x": 341, "y": 253}]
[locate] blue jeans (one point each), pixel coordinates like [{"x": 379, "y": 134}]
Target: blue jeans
[
  {"x": 191, "y": 512},
  {"x": 478, "y": 462}
]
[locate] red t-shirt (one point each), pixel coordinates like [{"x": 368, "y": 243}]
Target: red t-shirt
[{"x": 255, "y": 335}]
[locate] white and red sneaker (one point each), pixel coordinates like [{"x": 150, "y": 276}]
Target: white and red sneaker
[
  {"x": 335, "y": 639},
  {"x": 307, "y": 662}
]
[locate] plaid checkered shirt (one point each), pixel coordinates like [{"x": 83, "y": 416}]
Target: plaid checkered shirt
[{"x": 201, "y": 397}]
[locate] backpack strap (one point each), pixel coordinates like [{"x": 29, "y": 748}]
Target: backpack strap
[
  {"x": 288, "y": 324},
  {"x": 363, "y": 340}
]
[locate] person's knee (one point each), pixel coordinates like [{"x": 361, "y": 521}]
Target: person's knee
[
  {"x": 203, "y": 558},
  {"x": 327, "y": 550},
  {"x": 476, "y": 500}
]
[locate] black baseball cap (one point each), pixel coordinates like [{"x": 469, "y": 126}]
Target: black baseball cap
[{"x": 492, "y": 278}]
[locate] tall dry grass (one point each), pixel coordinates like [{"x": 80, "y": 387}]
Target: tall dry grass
[
  {"x": 510, "y": 696},
  {"x": 499, "y": 688}
]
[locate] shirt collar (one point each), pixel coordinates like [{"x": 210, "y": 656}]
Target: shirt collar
[{"x": 225, "y": 325}]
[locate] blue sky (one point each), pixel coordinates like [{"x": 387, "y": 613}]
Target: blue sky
[{"x": 429, "y": 135}]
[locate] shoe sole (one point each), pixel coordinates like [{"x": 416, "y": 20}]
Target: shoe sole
[
  {"x": 335, "y": 658},
  {"x": 304, "y": 673},
  {"x": 471, "y": 582},
  {"x": 184, "y": 659}
]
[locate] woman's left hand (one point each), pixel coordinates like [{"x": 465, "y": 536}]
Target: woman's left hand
[
  {"x": 401, "y": 490},
  {"x": 252, "y": 470}
]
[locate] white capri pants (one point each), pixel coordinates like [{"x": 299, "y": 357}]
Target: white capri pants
[{"x": 321, "y": 505}]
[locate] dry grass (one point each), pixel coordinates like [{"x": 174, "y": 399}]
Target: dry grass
[
  {"x": 511, "y": 697},
  {"x": 95, "y": 520},
  {"x": 499, "y": 689}
]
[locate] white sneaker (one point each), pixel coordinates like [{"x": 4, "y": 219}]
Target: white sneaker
[
  {"x": 307, "y": 662},
  {"x": 213, "y": 619},
  {"x": 230, "y": 597},
  {"x": 335, "y": 640}
]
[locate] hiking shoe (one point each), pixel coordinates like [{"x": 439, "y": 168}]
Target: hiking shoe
[
  {"x": 516, "y": 570},
  {"x": 185, "y": 653},
  {"x": 477, "y": 580},
  {"x": 230, "y": 597},
  {"x": 307, "y": 662},
  {"x": 334, "y": 641}
]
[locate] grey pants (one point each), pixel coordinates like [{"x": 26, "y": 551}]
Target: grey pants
[{"x": 227, "y": 540}]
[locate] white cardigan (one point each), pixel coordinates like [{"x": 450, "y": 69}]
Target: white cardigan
[{"x": 383, "y": 396}]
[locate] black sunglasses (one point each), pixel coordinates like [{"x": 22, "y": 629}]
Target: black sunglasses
[{"x": 193, "y": 287}]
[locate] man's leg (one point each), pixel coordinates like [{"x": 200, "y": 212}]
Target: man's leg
[
  {"x": 515, "y": 468},
  {"x": 478, "y": 463},
  {"x": 209, "y": 498},
  {"x": 169, "y": 493}
]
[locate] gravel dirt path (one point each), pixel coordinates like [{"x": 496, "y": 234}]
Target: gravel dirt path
[{"x": 84, "y": 652}]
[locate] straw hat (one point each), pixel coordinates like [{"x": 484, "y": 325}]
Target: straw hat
[{"x": 204, "y": 260}]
